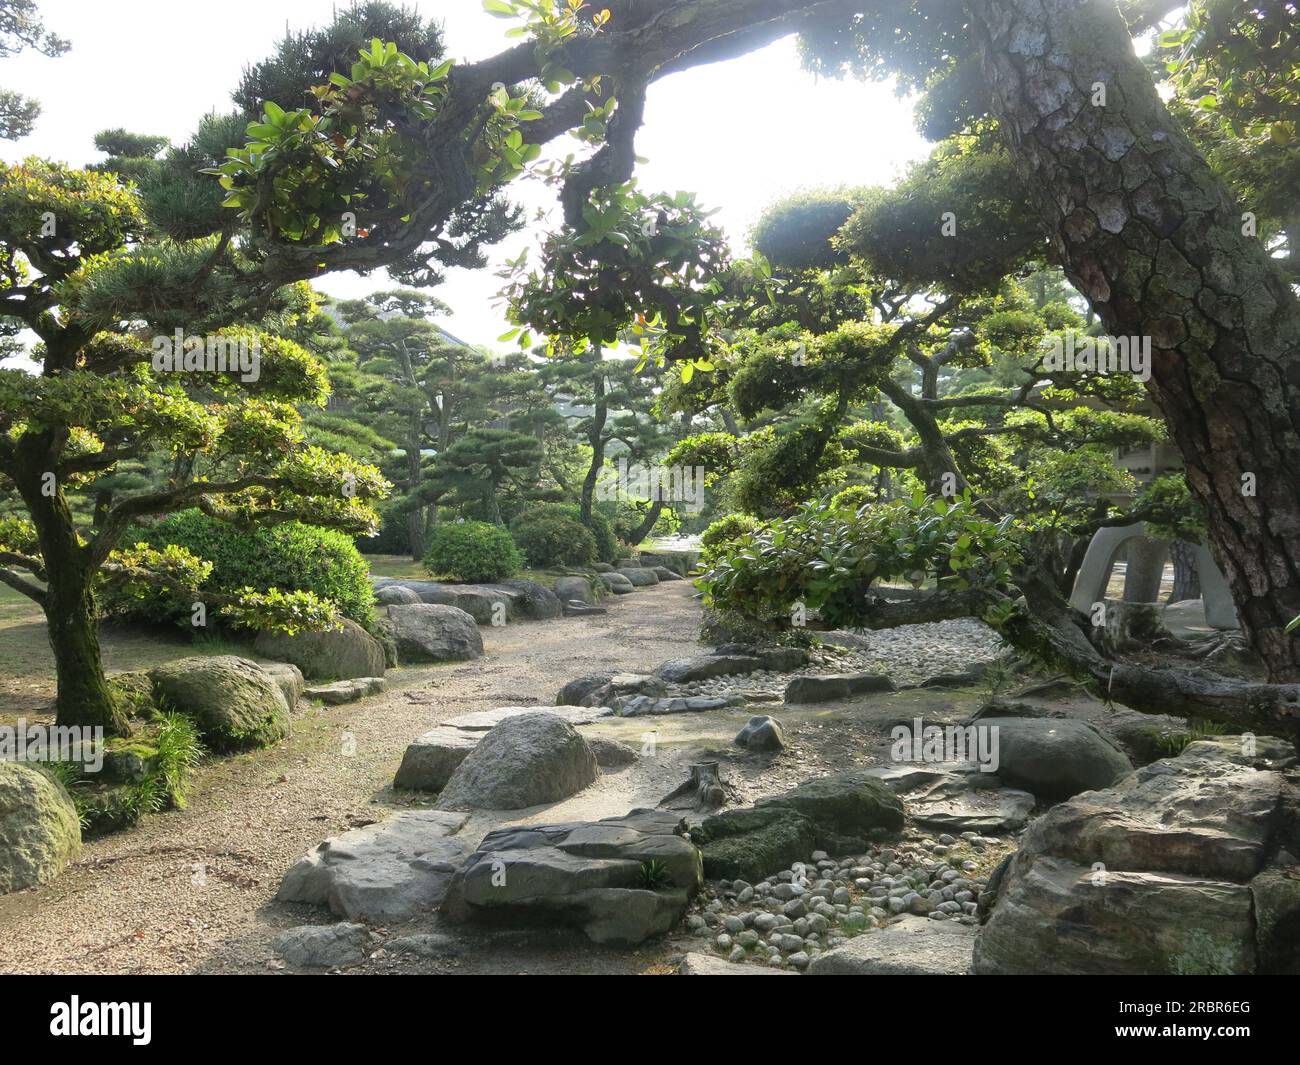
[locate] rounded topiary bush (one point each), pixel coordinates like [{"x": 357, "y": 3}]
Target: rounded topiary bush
[
  {"x": 471, "y": 551},
  {"x": 550, "y": 538},
  {"x": 719, "y": 536},
  {"x": 291, "y": 556}
]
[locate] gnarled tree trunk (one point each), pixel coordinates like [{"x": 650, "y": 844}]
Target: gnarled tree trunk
[{"x": 1150, "y": 236}]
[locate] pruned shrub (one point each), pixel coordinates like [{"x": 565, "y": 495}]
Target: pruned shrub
[
  {"x": 551, "y": 535},
  {"x": 472, "y": 551},
  {"x": 290, "y": 557}
]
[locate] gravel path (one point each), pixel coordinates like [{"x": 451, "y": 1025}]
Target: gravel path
[{"x": 192, "y": 890}]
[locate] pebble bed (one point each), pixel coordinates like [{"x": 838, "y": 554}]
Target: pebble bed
[
  {"x": 787, "y": 920},
  {"x": 908, "y": 654}
]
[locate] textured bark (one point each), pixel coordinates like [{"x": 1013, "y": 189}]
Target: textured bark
[
  {"x": 1150, "y": 236},
  {"x": 1187, "y": 581}
]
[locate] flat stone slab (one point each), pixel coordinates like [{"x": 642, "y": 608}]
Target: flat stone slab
[
  {"x": 389, "y": 871},
  {"x": 824, "y": 689},
  {"x": 429, "y": 762},
  {"x": 589, "y": 875},
  {"x": 696, "y": 964},
  {"x": 482, "y": 720},
  {"x": 641, "y": 705},
  {"x": 345, "y": 691},
  {"x": 706, "y": 667},
  {"x": 913, "y": 946}
]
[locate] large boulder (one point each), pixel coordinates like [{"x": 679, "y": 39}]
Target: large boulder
[
  {"x": 289, "y": 679},
  {"x": 433, "y": 592},
  {"x": 575, "y": 590},
  {"x": 603, "y": 689},
  {"x": 956, "y": 797},
  {"x": 752, "y": 843},
  {"x": 487, "y": 604},
  {"x": 616, "y": 583},
  {"x": 339, "y": 654},
  {"x": 620, "y": 880},
  {"x": 430, "y": 761},
  {"x": 1174, "y": 870},
  {"x": 429, "y": 632},
  {"x": 536, "y": 602},
  {"x": 846, "y": 807},
  {"x": 234, "y": 702},
  {"x": 1055, "y": 759},
  {"x": 912, "y": 946},
  {"x": 39, "y": 829},
  {"x": 638, "y": 577},
  {"x": 527, "y": 760},
  {"x": 393, "y": 870}
]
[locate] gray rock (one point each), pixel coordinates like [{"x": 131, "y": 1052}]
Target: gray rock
[
  {"x": 811, "y": 689},
  {"x": 487, "y": 604},
  {"x": 426, "y": 945},
  {"x": 431, "y": 633},
  {"x": 429, "y": 762},
  {"x": 1056, "y": 759},
  {"x": 288, "y": 679},
  {"x": 535, "y": 602},
  {"x": 389, "y": 871},
  {"x": 616, "y": 583},
  {"x": 39, "y": 829},
  {"x": 577, "y": 610},
  {"x": 761, "y": 734},
  {"x": 1153, "y": 876},
  {"x": 575, "y": 590},
  {"x": 957, "y": 801},
  {"x": 706, "y": 667},
  {"x": 348, "y": 651},
  {"x": 482, "y": 720},
  {"x": 913, "y": 946},
  {"x": 395, "y": 595},
  {"x": 345, "y": 691},
  {"x": 589, "y": 875},
  {"x": 330, "y": 946},
  {"x": 527, "y": 760},
  {"x": 639, "y": 578},
  {"x": 234, "y": 702},
  {"x": 665, "y": 574},
  {"x": 578, "y": 690},
  {"x": 433, "y": 592}
]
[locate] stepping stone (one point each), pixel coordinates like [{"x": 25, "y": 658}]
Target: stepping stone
[
  {"x": 330, "y": 946},
  {"x": 390, "y": 871},
  {"x": 345, "y": 691},
  {"x": 914, "y": 946},
  {"x": 706, "y": 667},
  {"x": 695, "y": 964}
]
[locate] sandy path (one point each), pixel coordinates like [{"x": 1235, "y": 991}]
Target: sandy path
[{"x": 192, "y": 890}]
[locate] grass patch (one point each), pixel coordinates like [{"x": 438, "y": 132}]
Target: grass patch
[{"x": 142, "y": 774}]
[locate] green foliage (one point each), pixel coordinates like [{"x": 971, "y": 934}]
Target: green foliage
[
  {"x": 472, "y": 551},
  {"x": 900, "y": 233},
  {"x": 796, "y": 232},
  {"x": 144, "y": 774},
  {"x": 549, "y": 537},
  {"x": 827, "y": 558},
  {"x": 261, "y": 567},
  {"x": 720, "y": 537},
  {"x": 653, "y": 265},
  {"x": 654, "y": 876}
]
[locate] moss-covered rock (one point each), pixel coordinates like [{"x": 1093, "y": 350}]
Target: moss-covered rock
[
  {"x": 39, "y": 829},
  {"x": 752, "y": 843},
  {"x": 234, "y": 702},
  {"x": 850, "y": 805}
]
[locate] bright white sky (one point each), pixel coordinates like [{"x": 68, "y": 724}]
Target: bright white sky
[{"x": 739, "y": 134}]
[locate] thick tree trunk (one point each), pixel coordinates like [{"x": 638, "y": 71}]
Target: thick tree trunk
[
  {"x": 1150, "y": 236},
  {"x": 83, "y": 695}
]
